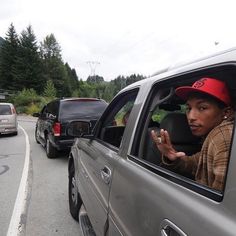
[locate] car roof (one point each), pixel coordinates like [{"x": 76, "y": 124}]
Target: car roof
[
  {"x": 6, "y": 103},
  {"x": 80, "y": 99},
  {"x": 77, "y": 99}
]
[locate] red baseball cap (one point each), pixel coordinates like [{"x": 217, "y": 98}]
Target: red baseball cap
[{"x": 213, "y": 87}]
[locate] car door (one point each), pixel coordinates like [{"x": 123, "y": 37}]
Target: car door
[
  {"x": 98, "y": 158},
  {"x": 148, "y": 199}
]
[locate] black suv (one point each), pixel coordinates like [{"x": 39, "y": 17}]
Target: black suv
[{"x": 51, "y": 126}]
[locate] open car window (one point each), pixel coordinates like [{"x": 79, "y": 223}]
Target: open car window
[{"x": 164, "y": 110}]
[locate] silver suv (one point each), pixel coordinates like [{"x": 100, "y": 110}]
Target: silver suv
[
  {"x": 117, "y": 185},
  {"x": 8, "y": 119}
]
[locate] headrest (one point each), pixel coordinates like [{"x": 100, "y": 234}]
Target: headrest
[
  {"x": 169, "y": 107},
  {"x": 177, "y": 126}
]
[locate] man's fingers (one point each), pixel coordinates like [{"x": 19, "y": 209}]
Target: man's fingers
[
  {"x": 167, "y": 137},
  {"x": 154, "y": 135},
  {"x": 180, "y": 154},
  {"x": 156, "y": 138},
  {"x": 163, "y": 138},
  {"x": 166, "y": 147}
]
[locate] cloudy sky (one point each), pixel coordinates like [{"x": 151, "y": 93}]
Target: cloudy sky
[{"x": 123, "y": 37}]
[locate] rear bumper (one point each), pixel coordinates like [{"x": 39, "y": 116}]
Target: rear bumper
[
  {"x": 8, "y": 130},
  {"x": 62, "y": 144}
]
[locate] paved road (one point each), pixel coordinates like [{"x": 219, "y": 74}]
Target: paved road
[
  {"x": 12, "y": 155},
  {"x": 46, "y": 210}
]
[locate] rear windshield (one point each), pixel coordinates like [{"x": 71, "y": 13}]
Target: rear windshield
[
  {"x": 5, "y": 110},
  {"x": 82, "y": 108}
]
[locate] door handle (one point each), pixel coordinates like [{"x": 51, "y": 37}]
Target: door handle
[
  {"x": 170, "y": 229},
  {"x": 106, "y": 174}
]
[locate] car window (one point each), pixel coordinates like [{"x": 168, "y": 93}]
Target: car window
[
  {"x": 43, "y": 112},
  {"x": 52, "y": 108},
  {"x": 166, "y": 111},
  {"x": 5, "y": 110},
  {"x": 116, "y": 118},
  {"x": 85, "y": 108},
  {"x": 122, "y": 116}
]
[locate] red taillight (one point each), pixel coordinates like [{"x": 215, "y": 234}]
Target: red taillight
[
  {"x": 13, "y": 110},
  {"x": 57, "y": 129}
]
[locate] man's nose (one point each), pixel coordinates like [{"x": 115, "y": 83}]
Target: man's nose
[{"x": 191, "y": 115}]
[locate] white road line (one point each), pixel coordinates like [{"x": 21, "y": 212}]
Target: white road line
[{"x": 15, "y": 226}]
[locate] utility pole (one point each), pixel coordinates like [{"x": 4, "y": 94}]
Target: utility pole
[{"x": 93, "y": 65}]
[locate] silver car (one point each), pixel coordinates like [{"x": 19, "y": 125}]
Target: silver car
[
  {"x": 117, "y": 183},
  {"x": 8, "y": 119}
]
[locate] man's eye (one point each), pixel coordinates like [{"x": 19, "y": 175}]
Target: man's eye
[{"x": 202, "y": 108}]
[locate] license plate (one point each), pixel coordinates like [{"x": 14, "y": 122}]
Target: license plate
[{"x": 4, "y": 121}]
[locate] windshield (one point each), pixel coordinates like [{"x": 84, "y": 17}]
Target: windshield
[{"x": 82, "y": 108}]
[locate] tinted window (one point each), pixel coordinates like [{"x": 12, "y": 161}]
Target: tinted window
[
  {"x": 5, "y": 110},
  {"x": 82, "y": 108},
  {"x": 44, "y": 112},
  {"x": 53, "y": 108}
]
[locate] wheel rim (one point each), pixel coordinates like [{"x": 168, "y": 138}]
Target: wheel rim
[{"x": 74, "y": 195}]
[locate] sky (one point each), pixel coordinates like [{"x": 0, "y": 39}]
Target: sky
[{"x": 123, "y": 37}]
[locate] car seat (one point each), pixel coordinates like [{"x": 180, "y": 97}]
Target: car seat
[{"x": 180, "y": 134}]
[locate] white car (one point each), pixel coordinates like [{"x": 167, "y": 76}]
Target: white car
[{"x": 8, "y": 119}]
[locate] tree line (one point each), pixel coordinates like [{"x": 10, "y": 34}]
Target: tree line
[{"x": 29, "y": 67}]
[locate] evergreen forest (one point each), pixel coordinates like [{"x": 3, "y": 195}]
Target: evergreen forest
[{"x": 32, "y": 73}]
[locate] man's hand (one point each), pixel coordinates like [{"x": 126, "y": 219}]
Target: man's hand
[{"x": 163, "y": 143}]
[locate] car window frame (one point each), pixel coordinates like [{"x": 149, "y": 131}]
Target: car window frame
[
  {"x": 110, "y": 111},
  {"x": 170, "y": 175},
  {"x": 43, "y": 113},
  {"x": 52, "y": 108}
]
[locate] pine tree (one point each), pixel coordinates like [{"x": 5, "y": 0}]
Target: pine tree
[
  {"x": 109, "y": 91},
  {"x": 73, "y": 78},
  {"x": 95, "y": 79},
  {"x": 50, "y": 90},
  {"x": 9, "y": 54},
  {"x": 53, "y": 65},
  {"x": 28, "y": 71}
]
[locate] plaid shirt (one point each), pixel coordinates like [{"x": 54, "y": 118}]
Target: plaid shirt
[{"x": 210, "y": 164}]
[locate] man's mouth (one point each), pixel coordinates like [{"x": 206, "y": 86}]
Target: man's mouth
[{"x": 194, "y": 127}]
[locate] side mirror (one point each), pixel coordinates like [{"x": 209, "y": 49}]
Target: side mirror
[{"x": 78, "y": 128}]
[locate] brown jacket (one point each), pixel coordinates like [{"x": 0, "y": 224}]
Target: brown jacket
[{"x": 210, "y": 164}]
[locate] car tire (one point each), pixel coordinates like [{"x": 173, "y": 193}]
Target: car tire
[
  {"x": 75, "y": 201},
  {"x": 36, "y": 135},
  {"x": 50, "y": 150}
]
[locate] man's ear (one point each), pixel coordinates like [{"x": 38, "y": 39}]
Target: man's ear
[{"x": 227, "y": 112}]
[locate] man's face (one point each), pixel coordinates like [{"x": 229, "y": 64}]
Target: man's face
[{"x": 203, "y": 115}]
